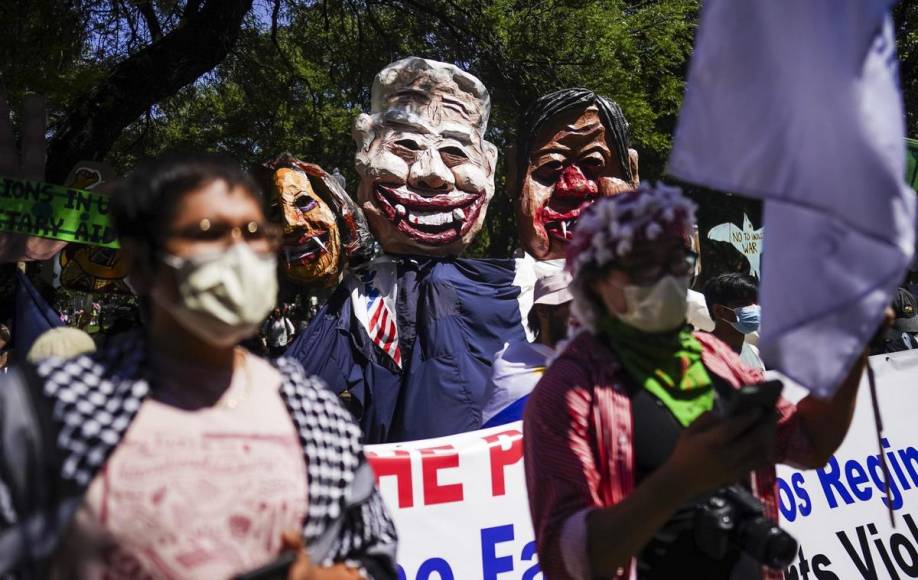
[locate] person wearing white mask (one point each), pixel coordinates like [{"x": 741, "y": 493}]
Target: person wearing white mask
[
  {"x": 732, "y": 299},
  {"x": 621, "y": 445},
  {"x": 520, "y": 364},
  {"x": 173, "y": 451}
]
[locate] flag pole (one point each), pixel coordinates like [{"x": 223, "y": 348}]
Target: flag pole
[{"x": 878, "y": 424}]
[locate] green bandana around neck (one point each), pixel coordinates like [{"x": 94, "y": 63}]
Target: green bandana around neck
[{"x": 667, "y": 364}]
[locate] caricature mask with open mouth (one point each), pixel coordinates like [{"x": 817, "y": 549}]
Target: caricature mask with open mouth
[
  {"x": 572, "y": 149},
  {"x": 324, "y": 230},
  {"x": 427, "y": 174}
]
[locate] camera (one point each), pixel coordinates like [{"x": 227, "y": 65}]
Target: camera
[{"x": 732, "y": 515}]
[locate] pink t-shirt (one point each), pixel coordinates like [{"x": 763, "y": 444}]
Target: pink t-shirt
[{"x": 197, "y": 493}]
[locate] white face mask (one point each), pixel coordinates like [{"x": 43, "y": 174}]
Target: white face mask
[
  {"x": 658, "y": 307},
  {"x": 222, "y": 296}
]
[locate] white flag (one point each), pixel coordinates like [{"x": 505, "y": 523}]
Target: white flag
[{"x": 798, "y": 103}]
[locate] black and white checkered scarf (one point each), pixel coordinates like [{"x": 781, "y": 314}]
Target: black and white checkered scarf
[{"x": 95, "y": 398}]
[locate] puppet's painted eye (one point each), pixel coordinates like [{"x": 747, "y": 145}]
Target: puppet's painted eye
[
  {"x": 409, "y": 144},
  {"x": 305, "y": 203},
  {"x": 453, "y": 156},
  {"x": 548, "y": 172}
]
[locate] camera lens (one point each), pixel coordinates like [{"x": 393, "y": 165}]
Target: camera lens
[
  {"x": 768, "y": 543},
  {"x": 782, "y": 549},
  {"x": 734, "y": 516}
]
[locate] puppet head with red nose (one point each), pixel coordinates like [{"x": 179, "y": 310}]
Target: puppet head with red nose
[{"x": 572, "y": 148}]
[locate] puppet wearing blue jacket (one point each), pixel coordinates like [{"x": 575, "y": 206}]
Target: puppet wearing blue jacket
[
  {"x": 409, "y": 338},
  {"x": 437, "y": 322}
]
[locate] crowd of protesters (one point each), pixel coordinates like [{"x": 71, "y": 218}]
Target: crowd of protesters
[
  {"x": 614, "y": 371},
  {"x": 173, "y": 451}
]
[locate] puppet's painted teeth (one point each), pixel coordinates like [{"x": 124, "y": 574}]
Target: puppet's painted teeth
[{"x": 431, "y": 219}]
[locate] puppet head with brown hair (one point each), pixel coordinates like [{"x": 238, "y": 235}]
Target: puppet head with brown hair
[{"x": 324, "y": 230}]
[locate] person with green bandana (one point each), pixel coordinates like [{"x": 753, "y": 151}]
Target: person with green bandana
[{"x": 622, "y": 438}]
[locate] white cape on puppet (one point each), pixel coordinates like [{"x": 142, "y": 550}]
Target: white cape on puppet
[{"x": 798, "y": 103}]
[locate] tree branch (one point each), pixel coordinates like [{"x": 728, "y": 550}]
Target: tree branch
[
  {"x": 149, "y": 17},
  {"x": 275, "y": 16},
  {"x": 97, "y": 117}
]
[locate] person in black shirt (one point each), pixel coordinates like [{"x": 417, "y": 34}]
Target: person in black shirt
[{"x": 903, "y": 335}]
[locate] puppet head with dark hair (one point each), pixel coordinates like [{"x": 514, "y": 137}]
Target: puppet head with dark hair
[
  {"x": 572, "y": 148},
  {"x": 324, "y": 230}
]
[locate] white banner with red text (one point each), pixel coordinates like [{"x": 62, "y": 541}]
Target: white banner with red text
[
  {"x": 461, "y": 508},
  {"x": 460, "y": 505}
]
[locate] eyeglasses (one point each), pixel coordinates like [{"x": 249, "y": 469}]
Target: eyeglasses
[
  {"x": 681, "y": 264},
  {"x": 262, "y": 236}
]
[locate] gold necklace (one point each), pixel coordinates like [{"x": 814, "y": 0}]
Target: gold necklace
[{"x": 231, "y": 402}]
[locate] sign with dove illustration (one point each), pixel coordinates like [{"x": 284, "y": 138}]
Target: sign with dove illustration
[{"x": 748, "y": 241}]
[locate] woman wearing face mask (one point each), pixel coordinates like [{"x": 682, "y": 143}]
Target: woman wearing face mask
[
  {"x": 174, "y": 452},
  {"x": 620, "y": 441}
]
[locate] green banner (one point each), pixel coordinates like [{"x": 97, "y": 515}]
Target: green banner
[
  {"x": 911, "y": 162},
  {"x": 56, "y": 212}
]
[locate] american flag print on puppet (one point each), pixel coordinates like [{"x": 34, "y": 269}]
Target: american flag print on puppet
[{"x": 373, "y": 293}]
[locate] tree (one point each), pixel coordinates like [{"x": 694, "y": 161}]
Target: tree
[
  {"x": 297, "y": 81},
  {"x": 905, "y": 15},
  {"x": 121, "y": 57},
  {"x": 292, "y": 74}
]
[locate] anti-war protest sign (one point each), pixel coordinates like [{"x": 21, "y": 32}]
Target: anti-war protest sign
[
  {"x": 747, "y": 241},
  {"x": 461, "y": 508},
  {"x": 53, "y": 211}
]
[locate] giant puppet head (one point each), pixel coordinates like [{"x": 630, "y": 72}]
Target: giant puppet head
[
  {"x": 572, "y": 148},
  {"x": 324, "y": 230},
  {"x": 426, "y": 172}
]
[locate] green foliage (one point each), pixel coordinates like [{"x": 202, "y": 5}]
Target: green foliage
[
  {"x": 298, "y": 87},
  {"x": 43, "y": 49},
  {"x": 905, "y": 15},
  {"x": 302, "y": 69}
]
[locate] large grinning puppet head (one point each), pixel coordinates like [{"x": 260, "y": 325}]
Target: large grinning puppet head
[
  {"x": 572, "y": 148},
  {"x": 426, "y": 172}
]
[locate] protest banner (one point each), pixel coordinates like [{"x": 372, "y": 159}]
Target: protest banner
[
  {"x": 460, "y": 505},
  {"x": 57, "y": 212},
  {"x": 461, "y": 508},
  {"x": 838, "y": 513}
]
